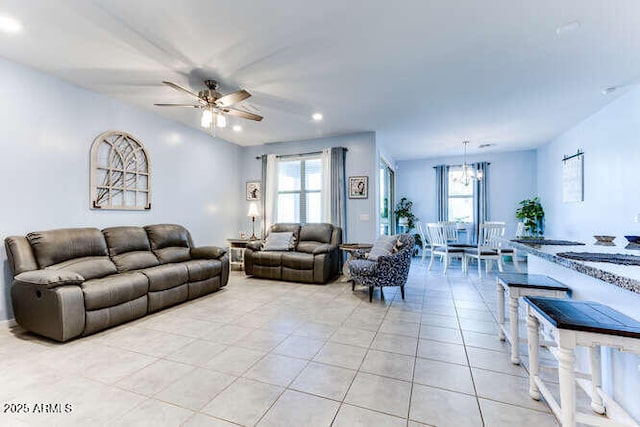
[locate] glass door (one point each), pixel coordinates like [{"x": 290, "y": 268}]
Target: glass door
[{"x": 387, "y": 220}]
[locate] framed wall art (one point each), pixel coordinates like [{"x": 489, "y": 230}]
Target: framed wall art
[
  {"x": 573, "y": 178},
  {"x": 358, "y": 187},
  {"x": 253, "y": 190},
  {"x": 120, "y": 173}
]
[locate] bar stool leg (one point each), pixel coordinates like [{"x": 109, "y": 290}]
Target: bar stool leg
[
  {"x": 500, "y": 291},
  {"x": 513, "y": 323},
  {"x": 534, "y": 359},
  {"x": 596, "y": 379},
  {"x": 566, "y": 359}
]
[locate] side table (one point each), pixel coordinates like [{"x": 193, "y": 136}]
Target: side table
[
  {"x": 236, "y": 252},
  {"x": 350, "y": 248}
]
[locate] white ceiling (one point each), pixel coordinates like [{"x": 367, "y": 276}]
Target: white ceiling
[{"x": 423, "y": 74}]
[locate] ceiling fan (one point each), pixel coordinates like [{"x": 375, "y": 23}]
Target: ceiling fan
[{"x": 213, "y": 104}]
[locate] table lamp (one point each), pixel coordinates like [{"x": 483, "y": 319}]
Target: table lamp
[{"x": 253, "y": 213}]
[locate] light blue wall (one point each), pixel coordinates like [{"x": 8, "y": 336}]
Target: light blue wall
[
  {"x": 610, "y": 140},
  {"x": 512, "y": 177},
  {"x": 360, "y": 160},
  {"x": 48, "y": 126}
]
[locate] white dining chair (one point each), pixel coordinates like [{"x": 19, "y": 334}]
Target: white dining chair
[
  {"x": 440, "y": 246},
  {"x": 508, "y": 251},
  {"x": 488, "y": 248},
  {"x": 425, "y": 242}
]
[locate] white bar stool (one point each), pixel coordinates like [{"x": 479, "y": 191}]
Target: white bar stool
[
  {"x": 577, "y": 323},
  {"x": 518, "y": 285}
]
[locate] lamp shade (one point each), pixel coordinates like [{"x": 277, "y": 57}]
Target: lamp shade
[{"x": 253, "y": 210}]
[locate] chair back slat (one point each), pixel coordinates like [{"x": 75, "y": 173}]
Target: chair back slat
[
  {"x": 421, "y": 232},
  {"x": 437, "y": 234},
  {"x": 450, "y": 230},
  {"x": 491, "y": 235}
]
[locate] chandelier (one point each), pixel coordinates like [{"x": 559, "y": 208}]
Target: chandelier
[{"x": 468, "y": 171}]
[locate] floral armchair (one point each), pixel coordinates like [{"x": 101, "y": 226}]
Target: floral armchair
[{"x": 387, "y": 270}]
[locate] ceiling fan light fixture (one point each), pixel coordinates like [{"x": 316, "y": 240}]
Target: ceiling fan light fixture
[
  {"x": 206, "y": 119},
  {"x": 221, "y": 121}
]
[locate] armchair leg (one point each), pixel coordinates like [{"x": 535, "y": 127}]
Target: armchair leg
[
  {"x": 353, "y": 285},
  {"x": 370, "y": 293},
  {"x": 381, "y": 294},
  {"x": 402, "y": 292}
]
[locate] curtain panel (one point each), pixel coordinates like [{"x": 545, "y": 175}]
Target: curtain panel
[
  {"x": 480, "y": 197},
  {"x": 442, "y": 192}
]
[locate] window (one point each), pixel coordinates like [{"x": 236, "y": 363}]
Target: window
[
  {"x": 460, "y": 197},
  {"x": 299, "y": 190}
]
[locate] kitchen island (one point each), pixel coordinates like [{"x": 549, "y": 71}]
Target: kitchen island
[{"x": 615, "y": 285}]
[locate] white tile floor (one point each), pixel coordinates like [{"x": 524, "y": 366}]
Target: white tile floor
[{"x": 284, "y": 354}]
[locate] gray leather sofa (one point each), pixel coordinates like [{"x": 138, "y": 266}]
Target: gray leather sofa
[
  {"x": 77, "y": 281},
  {"x": 315, "y": 257}
]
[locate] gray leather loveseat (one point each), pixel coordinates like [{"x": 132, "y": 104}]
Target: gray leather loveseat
[
  {"x": 77, "y": 281},
  {"x": 314, "y": 256}
]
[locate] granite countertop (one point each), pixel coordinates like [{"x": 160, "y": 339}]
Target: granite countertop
[{"x": 624, "y": 276}]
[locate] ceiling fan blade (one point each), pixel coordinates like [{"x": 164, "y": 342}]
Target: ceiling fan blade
[
  {"x": 232, "y": 98},
  {"x": 178, "y": 105},
  {"x": 185, "y": 91},
  {"x": 243, "y": 114}
]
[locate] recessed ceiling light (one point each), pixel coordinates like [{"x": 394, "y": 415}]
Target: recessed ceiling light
[
  {"x": 237, "y": 128},
  {"x": 10, "y": 25},
  {"x": 568, "y": 27},
  {"x": 317, "y": 116}
]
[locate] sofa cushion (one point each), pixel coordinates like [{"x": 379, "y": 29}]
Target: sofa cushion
[
  {"x": 316, "y": 232},
  {"x": 167, "y": 235},
  {"x": 55, "y": 246},
  {"x": 121, "y": 240},
  {"x": 91, "y": 267},
  {"x": 279, "y": 241},
  {"x": 136, "y": 260},
  {"x": 113, "y": 290},
  {"x": 267, "y": 259},
  {"x": 382, "y": 246},
  {"x": 166, "y": 276},
  {"x": 172, "y": 254},
  {"x": 202, "y": 269},
  {"x": 297, "y": 260}
]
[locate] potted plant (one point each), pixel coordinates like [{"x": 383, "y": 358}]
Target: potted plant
[
  {"x": 531, "y": 214},
  {"x": 406, "y": 218}
]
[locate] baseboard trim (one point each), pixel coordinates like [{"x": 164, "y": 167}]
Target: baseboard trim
[{"x": 8, "y": 324}]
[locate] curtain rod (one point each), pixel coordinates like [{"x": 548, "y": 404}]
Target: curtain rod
[
  {"x": 579, "y": 153},
  {"x": 300, "y": 154},
  {"x": 460, "y": 165}
]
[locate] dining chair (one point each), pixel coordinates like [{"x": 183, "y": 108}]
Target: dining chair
[
  {"x": 425, "y": 242},
  {"x": 452, "y": 231},
  {"x": 508, "y": 251},
  {"x": 488, "y": 248},
  {"x": 440, "y": 246}
]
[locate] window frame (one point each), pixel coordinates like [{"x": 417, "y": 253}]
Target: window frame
[
  {"x": 458, "y": 168},
  {"x": 303, "y": 191}
]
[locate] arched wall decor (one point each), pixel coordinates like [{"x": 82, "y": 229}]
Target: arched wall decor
[{"x": 120, "y": 173}]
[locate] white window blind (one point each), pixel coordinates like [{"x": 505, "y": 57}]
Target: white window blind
[{"x": 299, "y": 189}]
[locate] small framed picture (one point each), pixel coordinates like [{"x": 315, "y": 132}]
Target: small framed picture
[
  {"x": 253, "y": 190},
  {"x": 358, "y": 187}
]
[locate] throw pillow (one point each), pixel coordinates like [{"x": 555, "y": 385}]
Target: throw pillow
[
  {"x": 279, "y": 241},
  {"x": 397, "y": 246},
  {"x": 383, "y": 246}
]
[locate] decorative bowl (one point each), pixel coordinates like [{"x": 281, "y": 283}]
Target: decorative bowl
[
  {"x": 633, "y": 239},
  {"x": 604, "y": 239}
]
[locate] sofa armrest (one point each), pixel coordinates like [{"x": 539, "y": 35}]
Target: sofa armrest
[
  {"x": 324, "y": 248},
  {"x": 207, "y": 252},
  {"x": 49, "y": 278},
  {"x": 255, "y": 245}
]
